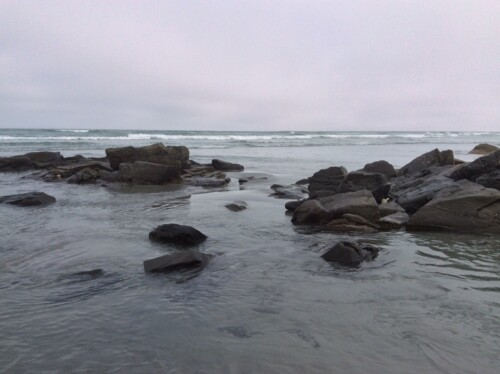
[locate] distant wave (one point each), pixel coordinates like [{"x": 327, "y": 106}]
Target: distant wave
[{"x": 74, "y": 130}]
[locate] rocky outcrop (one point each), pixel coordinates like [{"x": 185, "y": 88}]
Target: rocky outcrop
[
  {"x": 351, "y": 253},
  {"x": 29, "y": 161},
  {"x": 463, "y": 207},
  {"x": 361, "y": 180},
  {"x": 226, "y": 166},
  {"x": 415, "y": 190},
  {"x": 28, "y": 199},
  {"x": 141, "y": 172},
  {"x": 156, "y": 153},
  {"x": 380, "y": 167},
  {"x": 327, "y": 181},
  {"x": 477, "y": 168},
  {"x": 177, "y": 234},
  {"x": 178, "y": 260},
  {"x": 425, "y": 161},
  {"x": 360, "y": 203},
  {"x": 237, "y": 206},
  {"x": 490, "y": 180},
  {"x": 310, "y": 212},
  {"x": 388, "y": 208},
  {"x": 483, "y": 149},
  {"x": 292, "y": 205}
]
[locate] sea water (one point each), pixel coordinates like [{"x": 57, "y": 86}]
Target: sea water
[{"x": 267, "y": 302}]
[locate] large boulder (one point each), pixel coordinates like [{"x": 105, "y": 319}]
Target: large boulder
[
  {"x": 28, "y": 199},
  {"x": 177, "y": 234},
  {"x": 389, "y": 208},
  {"x": 351, "y": 222},
  {"x": 477, "y": 168},
  {"x": 32, "y": 160},
  {"x": 310, "y": 212},
  {"x": 327, "y": 181},
  {"x": 226, "y": 166},
  {"x": 140, "y": 172},
  {"x": 350, "y": 253},
  {"x": 463, "y": 207},
  {"x": 155, "y": 153},
  {"x": 432, "y": 158},
  {"x": 483, "y": 149},
  {"x": 360, "y": 203},
  {"x": 361, "y": 180},
  {"x": 415, "y": 190},
  {"x": 380, "y": 167},
  {"x": 178, "y": 260},
  {"x": 490, "y": 180},
  {"x": 393, "y": 221}
]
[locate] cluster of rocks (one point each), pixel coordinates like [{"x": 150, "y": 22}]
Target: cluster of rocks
[
  {"x": 155, "y": 164},
  {"x": 431, "y": 192}
]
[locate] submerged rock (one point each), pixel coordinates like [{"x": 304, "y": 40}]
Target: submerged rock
[
  {"x": 28, "y": 199},
  {"x": 207, "y": 182},
  {"x": 351, "y": 253},
  {"x": 483, "y": 149},
  {"x": 155, "y": 153},
  {"x": 177, "y": 234},
  {"x": 288, "y": 191},
  {"x": 178, "y": 260},
  {"x": 226, "y": 166},
  {"x": 237, "y": 206}
]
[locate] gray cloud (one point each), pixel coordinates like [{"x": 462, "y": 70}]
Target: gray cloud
[{"x": 259, "y": 65}]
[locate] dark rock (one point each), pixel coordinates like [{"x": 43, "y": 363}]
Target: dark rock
[
  {"x": 237, "y": 206},
  {"x": 310, "y": 212},
  {"x": 432, "y": 158},
  {"x": 141, "y": 172},
  {"x": 388, "y": 208},
  {"x": 288, "y": 191},
  {"x": 393, "y": 221},
  {"x": 360, "y": 203},
  {"x": 350, "y": 253},
  {"x": 381, "y": 193},
  {"x": 415, "y": 190},
  {"x": 177, "y": 234},
  {"x": 303, "y": 181},
  {"x": 490, "y": 180},
  {"x": 463, "y": 207},
  {"x": 155, "y": 153},
  {"x": 360, "y": 180},
  {"x": 294, "y": 204},
  {"x": 178, "y": 260},
  {"x": 226, "y": 166},
  {"x": 85, "y": 176},
  {"x": 242, "y": 181},
  {"x": 28, "y": 199},
  {"x": 327, "y": 181},
  {"x": 483, "y": 149},
  {"x": 28, "y": 161},
  {"x": 380, "y": 167},
  {"x": 475, "y": 169}
]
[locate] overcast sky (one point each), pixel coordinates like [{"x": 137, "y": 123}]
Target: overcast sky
[{"x": 251, "y": 65}]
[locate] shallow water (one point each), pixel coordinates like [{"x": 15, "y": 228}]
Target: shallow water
[{"x": 265, "y": 303}]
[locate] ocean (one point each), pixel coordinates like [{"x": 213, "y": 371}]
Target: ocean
[{"x": 267, "y": 302}]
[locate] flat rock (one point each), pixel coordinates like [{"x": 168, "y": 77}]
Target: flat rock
[
  {"x": 178, "y": 260},
  {"x": 483, "y": 149},
  {"x": 155, "y": 153},
  {"x": 360, "y": 203},
  {"x": 463, "y": 207},
  {"x": 350, "y": 253},
  {"x": 226, "y": 166},
  {"x": 288, "y": 191},
  {"x": 425, "y": 161},
  {"x": 28, "y": 199},
  {"x": 394, "y": 221},
  {"x": 351, "y": 222},
  {"x": 207, "y": 182},
  {"x": 141, "y": 172},
  {"x": 177, "y": 234},
  {"x": 237, "y": 206}
]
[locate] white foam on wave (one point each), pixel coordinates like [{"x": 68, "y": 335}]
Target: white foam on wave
[{"x": 74, "y": 130}]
